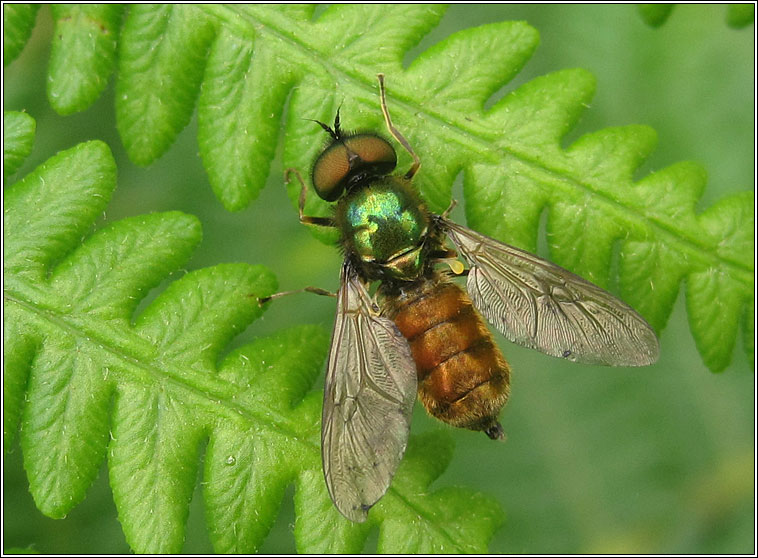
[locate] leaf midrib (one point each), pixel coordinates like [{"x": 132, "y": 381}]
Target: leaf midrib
[
  {"x": 201, "y": 385},
  {"x": 276, "y": 25}
]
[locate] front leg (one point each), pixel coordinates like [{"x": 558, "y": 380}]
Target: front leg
[
  {"x": 305, "y": 219},
  {"x": 314, "y": 290},
  {"x": 394, "y": 132}
]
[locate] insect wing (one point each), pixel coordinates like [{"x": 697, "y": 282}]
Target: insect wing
[
  {"x": 369, "y": 393},
  {"x": 540, "y": 305}
]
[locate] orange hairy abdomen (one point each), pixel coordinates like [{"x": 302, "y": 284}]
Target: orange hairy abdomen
[{"x": 463, "y": 378}]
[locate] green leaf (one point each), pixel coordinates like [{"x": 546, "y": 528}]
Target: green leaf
[
  {"x": 236, "y": 115},
  {"x": 589, "y": 187},
  {"x": 162, "y": 56},
  {"x": 737, "y": 15},
  {"x": 470, "y": 518},
  {"x": 740, "y": 15},
  {"x": 85, "y": 378},
  {"x": 83, "y": 54},
  {"x": 655, "y": 15},
  {"x": 18, "y": 22},
  {"x": 18, "y": 140},
  {"x": 41, "y": 224},
  {"x": 410, "y": 516}
]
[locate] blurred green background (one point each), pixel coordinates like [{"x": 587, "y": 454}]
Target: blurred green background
[{"x": 652, "y": 460}]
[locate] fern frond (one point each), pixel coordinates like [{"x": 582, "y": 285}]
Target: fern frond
[
  {"x": 83, "y": 53},
  {"x": 84, "y": 379},
  {"x": 18, "y": 140},
  {"x": 18, "y": 22}
]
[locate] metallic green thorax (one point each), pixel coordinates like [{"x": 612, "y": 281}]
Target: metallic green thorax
[{"x": 384, "y": 224}]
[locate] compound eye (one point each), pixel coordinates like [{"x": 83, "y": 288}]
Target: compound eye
[
  {"x": 351, "y": 160},
  {"x": 331, "y": 171},
  {"x": 374, "y": 153}
]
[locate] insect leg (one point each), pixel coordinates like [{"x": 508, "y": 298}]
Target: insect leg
[
  {"x": 495, "y": 432},
  {"x": 449, "y": 209},
  {"x": 443, "y": 254},
  {"x": 314, "y": 290},
  {"x": 394, "y": 131},
  {"x": 305, "y": 219}
]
